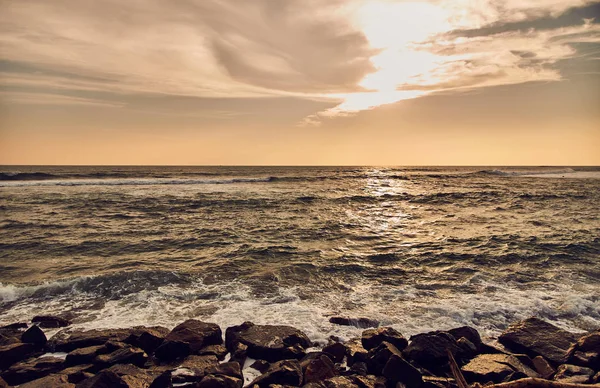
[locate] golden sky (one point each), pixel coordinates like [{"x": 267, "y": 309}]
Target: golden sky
[{"x": 380, "y": 82}]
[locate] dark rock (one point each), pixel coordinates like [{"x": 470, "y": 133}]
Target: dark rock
[
  {"x": 240, "y": 353},
  {"x": 104, "y": 379},
  {"x": 359, "y": 368},
  {"x": 467, "y": 332},
  {"x": 438, "y": 382},
  {"x": 341, "y": 382},
  {"x": 66, "y": 341},
  {"x": 199, "y": 364},
  {"x": 219, "y": 351},
  {"x": 319, "y": 369},
  {"x": 379, "y": 357},
  {"x": 495, "y": 368},
  {"x": 3, "y": 384},
  {"x": 574, "y": 374},
  {"x": 355, "y": 351},
  {"x": 197, "y": 334},
  {"x": 77, "y": 373},
  {"x": 431, "y": 349},
  {"x": 369, "y": 381},
  {"x": 128, "y": 355},
  {"x": 361, "y": 323},
  {"x": 49, "y": 321},
  {"x": 12, "y": 353},
  {"x": 172, "y": 350},
  {"x": 318, "y": 384},
  {"x": 148, "y": 338},
  {"x": 595, "y": 379},
  {"x": 84, "y": 355},
  {"x": 536, "y": 337},
  {"x": 8, "y": 339},
  {"x": 162, "y": 381},
  {"x": 586, "y": 351},
  {"x": 132, "y": 375},
  {"x": 260, "y": 365},
  {"x": 397, "y": 369},
  {"x": 374, "y": 337},
  {"x": 468, "y": 349},
  {"x": 336, "y": 351},
  {"x": 286, "y": 372},
  {"x": 32, "y": 369},
  {"x": 220, "y": 381},
  {"x": 541, "y": 365},
  {"x": 586, "y": 359},
  {"x": 34, "y": 335},
  {"x": 588, "y": 343},
  {"x": 52, "y": 381},
  {"x": 14, "y": 327},
  {"x": 232, "y": 369},
  {"x": 266, "y": 342}
]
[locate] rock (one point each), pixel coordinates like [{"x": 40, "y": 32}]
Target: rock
[
  {"x": 84, "y": 355},
  {"x": 148, "y": 338},
  {"x": 595, "y": 379},
  {"x": 3, "y": 383},
  {"x": 66, "y": 341},
  {"x": 336, "y": 351},
  {"x": 232, "y": 369},
  {"x": 379, "y": 357},
  {"x": 32, "y": 369},
  {"x": 542, "y": 367},
  {"x": 588, "y": 343},
  {"x": 397, "y": 369},
  {"x": 128, "y": 355},
  {"x": 286, "y": 372},
  {"x": 355, "y": 351},
  {"x": 220, "y": 381},
  {"x": 260, "y": 365},
  {"x": 132, "y": 375},
  {"x": 266, "y": 342},
  {"x": 373, "y": 337},
  {"x": 104, "y": 379},
  {"x": 52, "y": 381},
  {"x": 340, "y": 382},
  {"x": 77, "y": 373},
  {"x": 467, "y": 348},
  {"x": 220, "y": 352},
  {"x": 586, "y": 359},
  {"x": 431, "y": 349},
  {"x": 495, "y": 368},
  {"x": 162, "y": 381},
  {"x": 359, "y": 368},
  {"x": 34, "y": 335},
  {"x": 197, "y": 334},
  {"x": 199, "y": 364},
  {"x": 319, "y": 369},
  {"x": 369, "y": 381},
  {"x": 10, "y": 354},
  {"x": 49, "y": 321},
  {"x": 172, "y": 350},
  {"x": 240, "y": 353},
  {"x": 586, "y": 351},
  {"x": 567, "y": 373},
  {"x": 361, "y": 323},
  {"x": 467, "y": 332},
  {"x": 8, "y": 339},
  {"x": 536, "y": 337}
]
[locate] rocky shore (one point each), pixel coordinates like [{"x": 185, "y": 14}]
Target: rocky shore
[{"x": 199, "y": 354}]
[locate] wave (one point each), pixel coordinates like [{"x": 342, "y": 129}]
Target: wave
[
  {"x": 533, "y": 171},
  {"x": 133, "y": 182}
]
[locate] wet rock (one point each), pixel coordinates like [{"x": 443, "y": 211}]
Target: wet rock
[
  {"x": 132, "y": 375},
  {"x": 336, "y": 351},
  {"x": 50, "y": 321},
  {"x": 52, "y": 381},
  {"x": 148, "y": 338},
  {"x": 595, "y": 379},
  {"x": 128, "y": 355},
  {"x": 32, "y": 369},
  {"x": 260, "y": 365},
  {"x": 341, "y": 382},
  {"x": 588, "y": 343},
  {"x": 359, "y": 368},
  {"x": 162, "y": 381},
  {"x": 355, "y": 351},
  {"x": 240, "y": 353},
  {"x": 467, "y": 348},
  {"x": 12, "y": 353},
  {"x": 232, "y": 369},
  {"x": 374, "y": 337},
  {"x": 495, "y": 368},
  {"x": 172, "y": 350},
  {"x": 379, "y": 357},
  {"x": 536, "y": 337},
  {"x": 430, "y": 350},
  {"x": 3, "y": 384},
  {"x": 369, "y": 381},
  {"x": 467, "y": 332},
  {"x": 8, "y": 339},
  {"x": 586, "y": 351},
  {"x": 105, "y": 379},
  {"x": 220, "y": 381},
  {"x": 78, "y": 373},
  {"x": 34, "y": 335},
  {"x": 219, "y": 351},
  {"x": 197, "y": 334},
  {"x": 286, "y": 372},
  {"x": 84, "y": 355},
  {"x": 542, "y": 367},
  {"x": 398, "y": 370},
  {"x": 319, "y": 369},
  {"x": 586, "y": 359},
  {"x": 574, "y": 374},
  {"x": 66, "y": 341},
  {"x": 438, "y": 382},
  {"x": 361, "y": 323},
  {"x": 199, "y": 364},
  {"x": 266, "y": 342}
]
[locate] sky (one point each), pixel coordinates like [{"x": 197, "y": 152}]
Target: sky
[{"x": 300, "y": 82}]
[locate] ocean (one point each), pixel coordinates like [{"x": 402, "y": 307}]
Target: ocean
[{"x": 418, "y": 249}]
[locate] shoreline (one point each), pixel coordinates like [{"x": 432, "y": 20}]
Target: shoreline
[{"x": 48, "y": 352}]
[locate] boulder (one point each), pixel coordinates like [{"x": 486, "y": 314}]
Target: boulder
[
  {"x": 232, "y": 369},
  {"x": 220, "y": 381},
  {"x": 586, "y": 351},
  {"x": 197, "y": 334},
  {"x": 162, "y": 381},
  {"x": 12, "y": 353},
  {"x": 374, "y": 337},
  {"x": 341, "y": 382},
  {"x": 266, "y": 342},
  {"x": 595, "y": 379},
  {"x": 536, "y": 337},
  {"x": 8, "y": 338},
  {"x": 574, "y": 374},
  {"x": 468, "y": 350},
  {"x": 379, "y": 357},
  {"x": 359, "y": 368},
  {"x": 84, "y": 355},
  {"x": 66, "y": 341},
  {"x": 320, "y": 368},
  {"x": 50, "y": 321},
  {"x": 77, "y": 373},
  {"x": 285, "y": 372},
  {"x": 260, "y": 365},
  {"x": 398, "y": 370},
  {"x": 52, "y": 381},
  {"x": 336, "y": 351},
  {"x": 32, "y": 369},
  {"x": 542, "y": 367},
  {"x": 369, "y": 381},
  {"x": 588, "y": 343},
  {"x": 105, "y": 379},
  {"x": 199, "y": 364},
  {"x": 148, "y": 338},
  {"x": 430, "y": 350},
  {"x": 240, "y": 353},
  {"x": 495, "y": 368},
  {"x": 467, "y": 332},
  {"x": 127, "y": 355},
  {"x": 355, "y": 351},
  {"x": 172, "y": 350},
  {"x": 220, "y": 352},
  {"x": 132, "y": 375},
  {"x": 34, "y": 335},
  {"x": 3, "y": 384},
  {"x": 361, "y": 323}
]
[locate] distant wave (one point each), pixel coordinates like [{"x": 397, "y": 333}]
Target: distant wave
[
  {"x": 25, "y": 176},
  {"x": 532, "y": 171},
  {"x": 132, "y": 182}
]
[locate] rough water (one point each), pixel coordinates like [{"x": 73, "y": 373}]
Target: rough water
[{"x": 417, "y": 248}]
